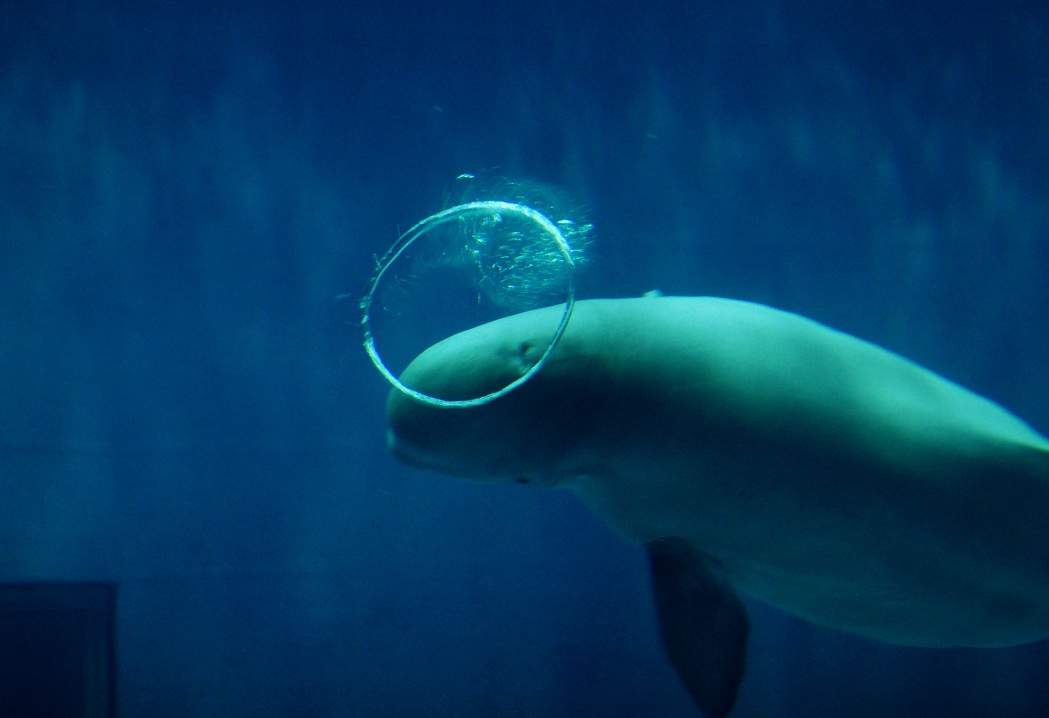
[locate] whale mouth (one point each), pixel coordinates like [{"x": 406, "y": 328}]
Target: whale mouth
[
  {"x": 419, "y": 459},
  {"x": 405, "y": 454}
]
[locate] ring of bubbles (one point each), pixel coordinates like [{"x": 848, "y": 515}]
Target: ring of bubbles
[{"x": 459, "y": 212}]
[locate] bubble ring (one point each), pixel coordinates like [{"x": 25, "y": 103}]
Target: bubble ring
[{"x": 470, "y": 209}]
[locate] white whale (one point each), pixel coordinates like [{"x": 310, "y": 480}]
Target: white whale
[{"x": 753, "y": 450}]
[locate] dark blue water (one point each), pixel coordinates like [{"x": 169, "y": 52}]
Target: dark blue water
[{"x": 185, "y": 409}]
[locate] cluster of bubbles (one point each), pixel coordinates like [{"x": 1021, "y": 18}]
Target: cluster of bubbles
[{"x": 519, "y": 265}]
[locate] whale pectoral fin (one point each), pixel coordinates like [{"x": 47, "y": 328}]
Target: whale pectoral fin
[{"x": 703, "y": 622}]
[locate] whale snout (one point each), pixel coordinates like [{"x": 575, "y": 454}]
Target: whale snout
[
  {"x": 405, "y": 453},
  {"x": 398, "y": 449},
  {"x": 449, "y": 441},
  {"x": 410, "y": 430}
]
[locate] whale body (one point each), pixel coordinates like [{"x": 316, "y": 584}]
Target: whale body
[{"x": 753, "y": 450}]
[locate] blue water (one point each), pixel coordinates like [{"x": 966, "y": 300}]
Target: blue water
[{"x": 185, "y": 408}]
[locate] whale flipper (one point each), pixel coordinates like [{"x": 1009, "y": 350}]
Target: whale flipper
[{"x": 703, "y": 623}]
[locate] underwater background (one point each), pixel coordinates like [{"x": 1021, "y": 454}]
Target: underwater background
[{"x": 186, "y": 411}]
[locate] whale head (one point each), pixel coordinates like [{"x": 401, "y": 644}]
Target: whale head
[{"x": 525, "y": 436}]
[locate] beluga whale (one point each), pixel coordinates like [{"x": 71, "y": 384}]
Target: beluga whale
[{"x": 754, "y": 451}]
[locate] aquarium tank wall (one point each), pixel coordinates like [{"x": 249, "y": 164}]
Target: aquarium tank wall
[{"x": 198, "y": 512}]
